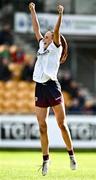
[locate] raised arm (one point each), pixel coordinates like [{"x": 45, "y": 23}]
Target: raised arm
[
  {"x": 56, "y": 35},
  {"x": 35, "y": 22}
]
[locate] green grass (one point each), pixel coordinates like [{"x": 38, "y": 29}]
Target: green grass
[{"x": 24, "y": 166}]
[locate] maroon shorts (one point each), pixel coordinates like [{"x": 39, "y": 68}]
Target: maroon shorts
[{"x": 48, "y": 94}]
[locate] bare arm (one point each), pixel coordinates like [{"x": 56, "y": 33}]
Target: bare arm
[
  {"x": 56, "y": 36},
  {"x": 35, "y": 22}
]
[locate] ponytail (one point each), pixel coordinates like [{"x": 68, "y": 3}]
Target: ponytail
[{"x": 64, "y": 53}]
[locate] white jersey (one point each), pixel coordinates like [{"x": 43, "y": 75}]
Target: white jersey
[{"x": 47, "y": 63}]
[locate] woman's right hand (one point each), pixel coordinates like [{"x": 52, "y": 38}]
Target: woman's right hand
[
  {"x": 31, "y": 6},
  {"x": 60, "y": 9}
]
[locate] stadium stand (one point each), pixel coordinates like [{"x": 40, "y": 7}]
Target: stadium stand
[
  {"x": 16, "y": 63},
  {"x": 17, "y": 87},
  {"x": 17, "y": 97}
]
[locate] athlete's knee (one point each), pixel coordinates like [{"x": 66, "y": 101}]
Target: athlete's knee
[
  {"x": 43, "y": 128},
  {"x": 62, "y": 126},
  {"x": 61, "y": 123}
]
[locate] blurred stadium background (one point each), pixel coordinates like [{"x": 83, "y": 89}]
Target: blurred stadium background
[
  {"x": 18, "y": 124},
  {"x": 18, "y": 46}
]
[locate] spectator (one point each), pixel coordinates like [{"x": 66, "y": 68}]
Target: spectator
[
  {"x": 27, "y": 70},
  {"x": 73, "y": 89},
  {"x": 4, "y": 53},
  {"x": 90, "y": 107},
  {"x": 17, "y": 54},
  {"x": 5, "y": 73},
  {"x": 6, "y": 36},
  {"x": 81, "y": 98},
  {"x": 75, "y": 107},
  {"x": 65, "y": 79}
]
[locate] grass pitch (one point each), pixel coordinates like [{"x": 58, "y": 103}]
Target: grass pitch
[{"x": 24, "y": 166}]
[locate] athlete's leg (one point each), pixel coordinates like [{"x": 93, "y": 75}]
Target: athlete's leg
[
  {"x": 42, "y": 114},
  {"x": 59, "y": 112}
]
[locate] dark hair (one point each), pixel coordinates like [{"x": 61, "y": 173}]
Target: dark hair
[{"x": 64, "y": 50}]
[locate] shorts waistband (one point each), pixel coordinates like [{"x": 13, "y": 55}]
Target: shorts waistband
[{"x": 47, "y": 82}]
